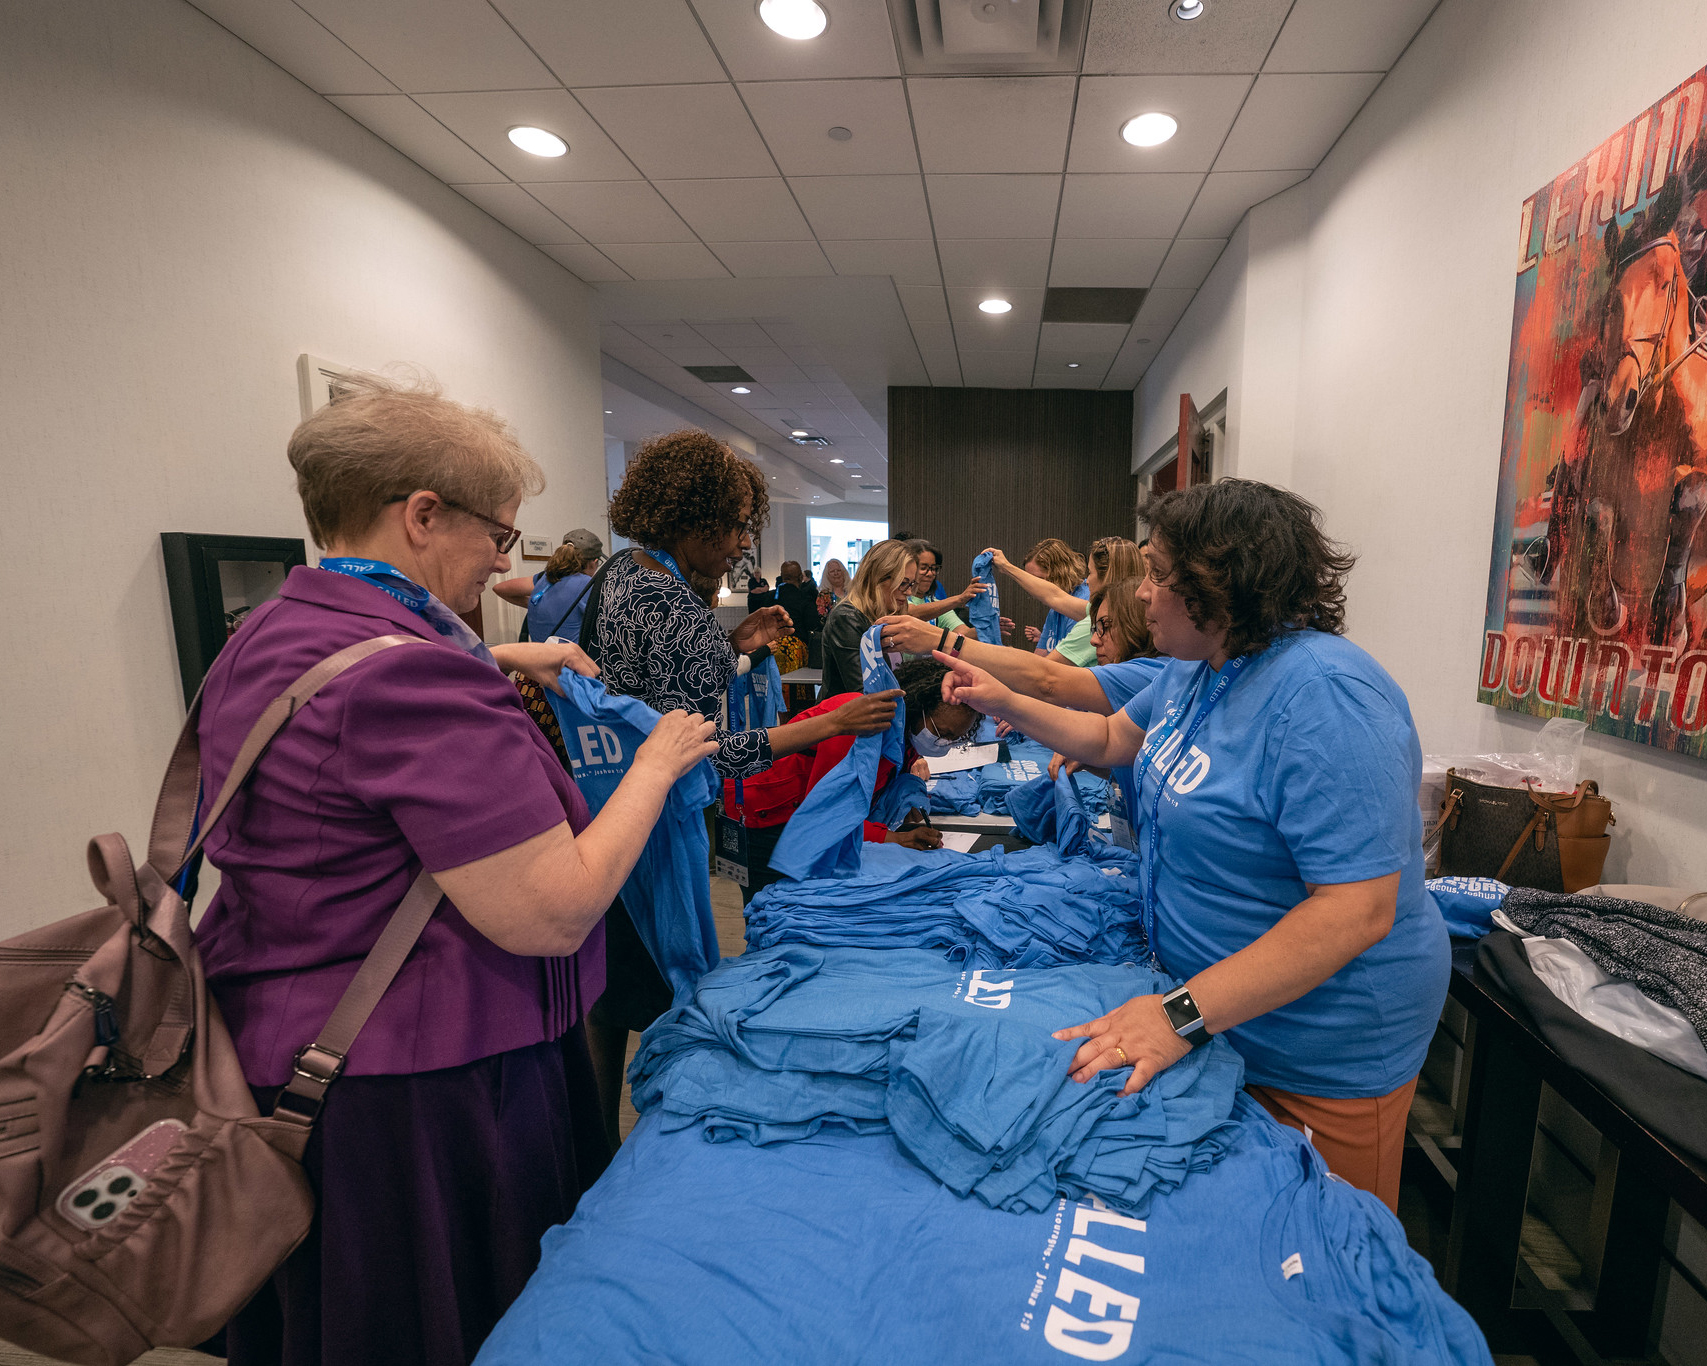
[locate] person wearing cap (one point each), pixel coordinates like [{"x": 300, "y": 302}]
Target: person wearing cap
[{"x": 556, "y": 597}]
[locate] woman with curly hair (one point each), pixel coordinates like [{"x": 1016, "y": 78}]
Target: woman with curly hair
[
  {"x": 691, "y": 506},
  {"x": 1276, "y": 769}
]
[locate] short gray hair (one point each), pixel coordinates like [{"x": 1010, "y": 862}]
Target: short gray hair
[{"x": 379, "y": 441}]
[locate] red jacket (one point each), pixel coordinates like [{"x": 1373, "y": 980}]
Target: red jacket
[{"x": 773, "y": 796}]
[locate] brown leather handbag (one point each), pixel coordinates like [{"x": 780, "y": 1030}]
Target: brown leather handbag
[
  {"x": 143, "y": 1199},
  {"x": 1551, "y": 841}
]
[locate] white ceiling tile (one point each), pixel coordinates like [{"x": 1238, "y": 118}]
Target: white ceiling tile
[
  {"x": 997, "y": 369},
  {"x": 796, "y": 117},
  {"x": 943, "y": 367},
  {"x": 677, "y": 339},
  {"x": 1151, "y": 205},
  {"x": 434, "y": 44},
  {"x": 681, "y": 132},
  {"x": 734, "y": 338},
  {"x": 771, "y": 260},
  {"x": 1161, "y": 309},
  {"x": 1009, "y": 331},
  {"x": 757, "y": 210},
  {"x": 1053, "y": 373},
  {"x": 858, "y": 42},
  {"x": 994, "y": 205},
  {"x": 934, "y": 336},
  {"x": 1093, "y": 339},
  {"x": 782, "y": 371},
  {"x": 666, "y": 260},
  {"x": 992, "y": 124},
  {"x": 1189, "y": 262},
  {"x": 484, "y": 118},
  {"x": 1140, "y": 36},
  {"x": 923, "y": 303},
  {"x": 910, "y": 262},
  {"x": 1227, "y": 195},
  {"x": 420, "y": 137},
  {"x": 299, "y": 43},
  {"x": 854, "y": 207},
  {"x": 802, "y": 392},
  {"x": 998, "y": 264},
  {"x": 519, "y": 211},
  {"x": 614, "y": 211},
  {"x": 1104, "y": 262},
  {"x": 1289, "y": 122},
  {"x": 592, "y": 265},
  {"x": 1347, "y": 35},
  {"x": 596, "y": 42},
  {"x": 1204, "y": 106}
]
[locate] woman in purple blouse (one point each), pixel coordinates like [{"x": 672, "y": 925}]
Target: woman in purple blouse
[{"x": 466, "y": 1121}]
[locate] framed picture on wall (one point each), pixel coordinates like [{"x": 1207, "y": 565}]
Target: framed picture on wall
[
  {"x": 537, "y": 547},
  {"x": 214, "y": 583}
]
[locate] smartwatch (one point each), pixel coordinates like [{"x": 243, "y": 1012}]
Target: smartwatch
[{"x": 1184, "y": 1016}]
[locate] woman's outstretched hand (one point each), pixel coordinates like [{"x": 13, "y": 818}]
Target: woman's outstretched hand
[
  {"x": 543, "y": 662},
  {"x": 761, "y": 628},
  {"x": 1135, "y": 1035},
  {"x": 910, "y": 635},
  {"x": 679, "y": 741},
  {"x": 967, "y": 686}
]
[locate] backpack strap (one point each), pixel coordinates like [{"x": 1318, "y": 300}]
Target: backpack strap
[{"x": 170, "y": 846}]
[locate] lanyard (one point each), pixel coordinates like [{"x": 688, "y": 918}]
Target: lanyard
[
  {"x": 393, "y": 582},
  {"x": 668, "y": 561},
  {"x": 1153, "y": 746}
]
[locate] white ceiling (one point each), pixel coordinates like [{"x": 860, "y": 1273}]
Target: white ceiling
[{"x": 701, "y": 182}]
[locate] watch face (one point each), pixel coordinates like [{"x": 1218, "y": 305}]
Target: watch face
[{"x": 1182, "y": 1012}]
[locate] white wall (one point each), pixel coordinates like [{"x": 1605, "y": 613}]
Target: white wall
[
  {"x": 1363, "y": 327},
  {"x": 179, "y": 220}
]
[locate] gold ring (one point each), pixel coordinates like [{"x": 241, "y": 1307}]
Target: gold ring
[{"x": 1124, "y": 1060}]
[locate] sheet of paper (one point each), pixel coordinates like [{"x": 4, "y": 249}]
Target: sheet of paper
[
  {"x": 960, "y": 840},
  {"x": 975, "y": 756}
]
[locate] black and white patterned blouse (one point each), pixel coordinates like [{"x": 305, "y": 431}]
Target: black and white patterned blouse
[{"x": 656, "y": 640}]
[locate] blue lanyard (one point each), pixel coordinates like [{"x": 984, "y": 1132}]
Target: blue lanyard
[
  {"x": 668, "y": 561},
  {"x": 1153, "y": 745}
]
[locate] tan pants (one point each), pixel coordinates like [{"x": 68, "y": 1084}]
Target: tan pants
[{"x": 1361, "y": 1139}]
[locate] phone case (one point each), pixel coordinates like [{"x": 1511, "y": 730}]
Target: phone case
[{"x": 106, "y": 1190}]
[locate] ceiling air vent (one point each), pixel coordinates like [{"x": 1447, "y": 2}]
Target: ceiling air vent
[
  {"x": 811, "y": 441},
  {"x": 1091, "y": 305},
  {"x": 998, "y": 37},
  {"x": 876, "y": 488},
  {"x": 719, "y": 374}
]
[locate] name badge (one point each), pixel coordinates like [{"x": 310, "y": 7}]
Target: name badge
[
  {"x": 1119, "y": 819},
  {"x": 731, "y": 850}
]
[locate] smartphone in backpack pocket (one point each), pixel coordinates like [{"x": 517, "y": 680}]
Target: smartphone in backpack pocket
[{"x": 107, "y": 1189}]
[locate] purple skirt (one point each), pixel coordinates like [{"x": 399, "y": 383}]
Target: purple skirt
[{"x": 434, "y": 1191}]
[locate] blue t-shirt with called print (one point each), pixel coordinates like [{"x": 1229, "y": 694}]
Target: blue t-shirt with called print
[{"x": 1306, "y": 771}]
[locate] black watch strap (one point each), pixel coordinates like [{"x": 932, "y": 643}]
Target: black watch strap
[{"x": 1184, "y": 1016}]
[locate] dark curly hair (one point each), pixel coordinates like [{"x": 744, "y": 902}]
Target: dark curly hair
[
  {"x": 1251, "y": 557},
  {"x": 687, "y": 484},
  {"x": 921, "y": 681}
]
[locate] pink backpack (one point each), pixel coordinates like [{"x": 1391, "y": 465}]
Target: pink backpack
[{"x": 143, "y": 1198}]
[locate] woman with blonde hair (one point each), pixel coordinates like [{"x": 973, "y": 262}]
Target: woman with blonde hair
[
  {"x": 885, "y": 579},
  {"x": 833, "y": 585}
]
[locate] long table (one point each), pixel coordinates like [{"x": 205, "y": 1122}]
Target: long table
[{"x": 1506, "y": 1062}]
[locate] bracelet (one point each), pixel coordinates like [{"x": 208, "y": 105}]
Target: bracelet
[
  {"x": 943, "y": 643},
  {"x": 954, "y": 649}
]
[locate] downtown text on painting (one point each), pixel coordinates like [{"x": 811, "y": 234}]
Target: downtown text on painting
[{"x": 1597, "y": 594}]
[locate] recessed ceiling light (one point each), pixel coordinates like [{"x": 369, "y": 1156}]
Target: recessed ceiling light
[
  {"x": 797, "y": 433},
  {"x": 856, "y": 476},
  {"x": 839, "y": 134},
  {"x": 538, "y": 141},
  {"x": 835, "y": 459},
  {"x": 994, "y": 306},
  {"x": 794, "y": 18},
  {"x": 1186, "y": 9},
  {"x": 1072, "y": 365},
  {"x": 740, "y": 389},
  {"x": 1149, "y": 130},
  {"x": 607, "y": 412}
]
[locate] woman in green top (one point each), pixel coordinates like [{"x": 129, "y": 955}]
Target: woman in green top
[
  {"x": 1111, "y": 559},
  {"x": 924, "y": 603}
]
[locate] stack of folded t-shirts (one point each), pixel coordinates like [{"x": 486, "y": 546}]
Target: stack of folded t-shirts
[
  {"x": 960, "y": 1063},
  {"x": 1034, "y": 908},
  {"x": 954, "y": 793}
]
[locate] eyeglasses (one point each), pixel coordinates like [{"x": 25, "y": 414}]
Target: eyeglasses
[
  {"x": 953, "y": 739},
  {"x": 1101, "y": 627},
  {"x": 503, "y": 535},
  {"x": 906, "y": 586}
]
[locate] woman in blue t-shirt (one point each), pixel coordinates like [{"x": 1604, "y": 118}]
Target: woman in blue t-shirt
[{"x": 1275, "y": 768}]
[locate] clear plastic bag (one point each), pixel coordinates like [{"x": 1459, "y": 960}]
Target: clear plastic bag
[{"x": 1550, "y": 767}]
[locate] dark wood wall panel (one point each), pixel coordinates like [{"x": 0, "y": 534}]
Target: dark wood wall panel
[{"x": 970, "y": 468}]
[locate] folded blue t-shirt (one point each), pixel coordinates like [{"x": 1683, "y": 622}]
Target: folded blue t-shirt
[
  {"x": 1051, "y": 811},
  {"x": 1306, "y": 772},
  {"x": 839, "y": 1248},
  {"x": 667, "y": 896},
  {"x": 1468, "y": 903}
]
